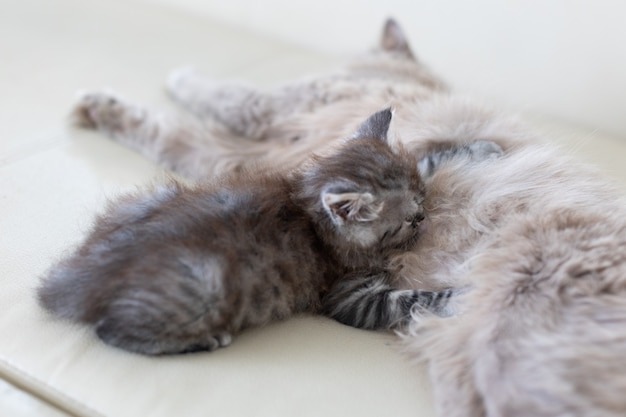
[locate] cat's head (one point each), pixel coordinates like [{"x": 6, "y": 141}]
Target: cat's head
[{"x": 367, "y": 195}]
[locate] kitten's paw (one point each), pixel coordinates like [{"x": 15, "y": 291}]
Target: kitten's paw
[
  {"x": 484, "y": 149},
  {"x": 452, "y": 307},
  {"x": 212, "y": 343},
  {"x": 219, "y": 340},
  {"x": 102, "y": 111}
]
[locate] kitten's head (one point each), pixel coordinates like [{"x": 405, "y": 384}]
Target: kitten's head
[{"x": 366, "y": 195}]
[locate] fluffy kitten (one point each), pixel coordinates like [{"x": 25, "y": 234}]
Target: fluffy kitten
[
  {"x": 539, "y": 238},
  {"x": 178, "y": 269}
]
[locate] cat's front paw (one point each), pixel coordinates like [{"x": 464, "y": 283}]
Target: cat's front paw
[
  {"x": 81, "y": 114},
  {"x": 484, "y": 149},
  {"x": 102, "y": 111}
]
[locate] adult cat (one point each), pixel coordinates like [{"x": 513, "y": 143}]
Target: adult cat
[{"x": 540, "y": 238}]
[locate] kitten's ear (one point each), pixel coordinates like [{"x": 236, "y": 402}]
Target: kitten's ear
[
  {"x": 346, "y": 207},
  {"x": 376, "y": 126},
  {"x": 393, "y": 39}
]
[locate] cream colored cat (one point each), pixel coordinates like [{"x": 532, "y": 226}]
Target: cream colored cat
[{"x": 539, "y": 239}]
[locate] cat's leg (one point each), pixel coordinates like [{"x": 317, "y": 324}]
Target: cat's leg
[
  {"x": 245, "y": 110},
  {"x": 477, "y": 151},
  {"x": 188, "y": 146},
  {"x": 370, "y": 302},
  {"x": 255, "y": 114}
]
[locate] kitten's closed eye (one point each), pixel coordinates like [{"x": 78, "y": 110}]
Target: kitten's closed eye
[{"x": 415, "y": 219}]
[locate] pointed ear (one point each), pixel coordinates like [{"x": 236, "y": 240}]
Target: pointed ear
[
  {"x": 351, "y": 207},
  {"x": 393, "y": 39},
  {"x": 376, "y": 126}
]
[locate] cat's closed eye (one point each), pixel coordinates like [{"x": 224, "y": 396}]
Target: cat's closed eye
[{"x": 415, "y": 219}]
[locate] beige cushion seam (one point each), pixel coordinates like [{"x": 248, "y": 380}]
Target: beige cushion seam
[{"x": 17, "y": 376}]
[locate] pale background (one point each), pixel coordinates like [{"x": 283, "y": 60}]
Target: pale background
[{"x": 561, "y": 58}]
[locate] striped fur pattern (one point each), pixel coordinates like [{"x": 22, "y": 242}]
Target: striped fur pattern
[{"x": 372, "y": 302}]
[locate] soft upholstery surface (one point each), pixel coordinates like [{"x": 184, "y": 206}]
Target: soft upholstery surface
[{"x": 54, "y": 178}]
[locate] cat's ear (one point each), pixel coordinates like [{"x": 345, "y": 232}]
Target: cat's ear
[
  {"x": 376, "y": 126},
  {"x": 394, "y": 40},
  {"x": 351, "y": 207}
]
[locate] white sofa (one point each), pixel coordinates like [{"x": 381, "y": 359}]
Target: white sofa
[{"x": 53, "y": 179}]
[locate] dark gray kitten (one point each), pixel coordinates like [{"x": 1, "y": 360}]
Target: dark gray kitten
[{"x": 177, "y": 269}]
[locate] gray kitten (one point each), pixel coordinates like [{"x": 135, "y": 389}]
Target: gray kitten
[{"x": 177, "y": 269}]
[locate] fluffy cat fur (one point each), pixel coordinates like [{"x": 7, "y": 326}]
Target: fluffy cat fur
[
  {"x": 538, "y": 238},
  {"x": 179, "y": 268}
]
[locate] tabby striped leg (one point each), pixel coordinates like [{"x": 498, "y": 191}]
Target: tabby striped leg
[{"x": 369, "y": 302}]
